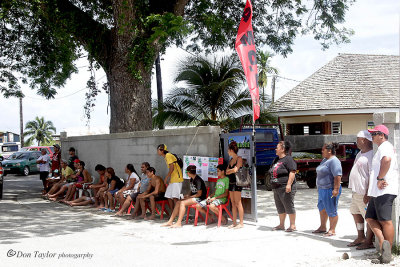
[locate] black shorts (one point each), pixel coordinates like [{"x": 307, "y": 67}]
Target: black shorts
[
  {"x": 43, "y": 175},
  {"x": 380, "y": 208},
  {"x": 158, "y": 197},
  {"x": 284, "y": 202},
  {"x": 234, "y": 187}
]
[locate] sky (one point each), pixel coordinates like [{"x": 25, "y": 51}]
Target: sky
[{"x": 375, "y": 22}]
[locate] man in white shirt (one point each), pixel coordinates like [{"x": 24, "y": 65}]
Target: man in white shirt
[
  {"x": 358, "y": 182},
  {"x": 44, "y": 168},
  {"x": 383, "y": 188}
]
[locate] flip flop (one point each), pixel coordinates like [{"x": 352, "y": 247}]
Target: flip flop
[
  {"x": 352, "y": 244},
  {"x": 276, "y": 228},
  {"x": 329, "y": 234},
  {"x": 319, "y": 231},
  {"x": 289, "y": 230},
  {"x": 361, "y": 247}
]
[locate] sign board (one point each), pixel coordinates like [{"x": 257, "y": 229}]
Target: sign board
[{"x": 206, "y": 167}]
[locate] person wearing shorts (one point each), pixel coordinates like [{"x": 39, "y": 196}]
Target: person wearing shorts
[
  {"x": 155, "y": 192},
  {"x": 82, "y": 201},
  {"x": 358, "y": 182},
  {"x": 382, "y": 190},
  {"x": 329, "y": 175},
  {"x": 174, "y": 188},
  {"x": 131, "y": 186},
  {"x": 114, "y": 184},
  {"x": 220, "y": 195},
  {"x": 282, "y": 172},
  {"x": 100, "y": 186},
  {"x": 198, "y": 193},
  {"x": 44, "y": 168}
]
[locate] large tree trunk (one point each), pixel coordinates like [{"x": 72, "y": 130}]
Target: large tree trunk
[{"x": 130, "y": 99}]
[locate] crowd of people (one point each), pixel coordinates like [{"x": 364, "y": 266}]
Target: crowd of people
[{"x": 373, "y": 180}]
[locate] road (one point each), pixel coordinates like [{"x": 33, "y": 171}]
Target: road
[{"x": 37, "y": 232}]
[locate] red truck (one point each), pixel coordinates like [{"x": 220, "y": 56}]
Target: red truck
[{"x": 308, "y": 162}]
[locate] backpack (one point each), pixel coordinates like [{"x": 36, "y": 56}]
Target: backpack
[{"x": 179, "y": 161}]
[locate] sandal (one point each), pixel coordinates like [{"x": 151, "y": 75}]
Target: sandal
[
  {"x": 328, "y": 234},
  {"x": 352, "y": 244},
  {"x": 363, "y": 246},
  {"x": 277, "y": 228},
  {"x": 289, "y": 230},
  {"x": 318, "y": 231}
]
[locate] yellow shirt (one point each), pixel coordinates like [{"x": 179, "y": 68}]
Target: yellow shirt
[
  {"x": 176, "y": 175},
  {"x": 67, "y": 172}
]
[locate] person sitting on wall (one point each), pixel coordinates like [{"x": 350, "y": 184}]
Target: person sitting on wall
[
  {"x": 155, "y": 192},
  {"x": 69, "y": 181},
  {"x": 220, "y": 195},
  {"x": 102, "y": 183},
  {"x": 131, "y": 186},
  {"x": 144, "y": 183},
  {"x": 114, "y": 184},
  {"x": 82, "y": 176},
  {"x": 197, "y": 194},
  {"x": 66, "y": 173}
]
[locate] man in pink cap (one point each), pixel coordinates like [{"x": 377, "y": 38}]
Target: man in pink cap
[
  {"x": 383, "y": 188},
  {"x": 358, "y": 182}
]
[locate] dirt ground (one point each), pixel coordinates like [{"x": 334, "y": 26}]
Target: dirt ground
[{"x": 37, "y": 232}]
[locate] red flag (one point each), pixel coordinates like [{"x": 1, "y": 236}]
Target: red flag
[{"x": 246, "y": 50}]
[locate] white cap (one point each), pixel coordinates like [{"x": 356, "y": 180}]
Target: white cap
[{"x": 365, "y": 134}]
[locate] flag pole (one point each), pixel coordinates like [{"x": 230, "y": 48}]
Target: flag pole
[{"x": 254, "y": 176}]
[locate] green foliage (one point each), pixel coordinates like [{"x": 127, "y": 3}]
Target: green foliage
[
  {"x": 264, "y": 68},
  {"x": 39, "y": 130},
  {"x": 213, "y": 93}
]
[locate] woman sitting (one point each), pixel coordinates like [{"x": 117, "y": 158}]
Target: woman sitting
[
  {"x": 131, "y": 186},
  {"x": 114, "y": 184},
  {"x": 82, "y": 176}
]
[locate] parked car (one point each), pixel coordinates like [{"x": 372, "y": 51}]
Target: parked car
[
  {"x": 50, "y": 149},
  {"x": 21, "y": 162}
]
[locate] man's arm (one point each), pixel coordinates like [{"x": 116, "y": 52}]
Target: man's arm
[
  {"x": 385, "y": 166},
  {"x": 171, "y": 169}
]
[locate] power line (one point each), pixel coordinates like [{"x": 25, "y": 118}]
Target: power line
[
  {"x": 61, "y": 97},
  {"x": 288, "y": 79}
]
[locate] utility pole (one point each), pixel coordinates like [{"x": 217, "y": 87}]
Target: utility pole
[
  {"x": 21, "y": 123},
  {"x": 273, "y": 89},
  {"x": 159, "y": 89}
]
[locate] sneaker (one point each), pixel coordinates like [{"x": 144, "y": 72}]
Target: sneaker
[{"x": 386, "y": 252}]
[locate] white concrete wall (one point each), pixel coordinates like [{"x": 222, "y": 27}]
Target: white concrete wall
[{"x": 117, "y": 150}]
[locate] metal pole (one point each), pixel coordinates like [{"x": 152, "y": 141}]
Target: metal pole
[
  {"x": 21, "y": 123},
  {"x": 254, "y": 178}
]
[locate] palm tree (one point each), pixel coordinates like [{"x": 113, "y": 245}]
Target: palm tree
[
  {"x": 264, "y": 68},
  {"x": 39, "y": 130},
  {"x": 212, "y": 94}
]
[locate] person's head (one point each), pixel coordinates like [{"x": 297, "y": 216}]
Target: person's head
[
  {"x": 64, "y": 163},
  {"x": 221, "y": 170},
  {"x": 364, "y": 140},
  {"x": 191, "y": 171},
  {"x": 76, "y": 163},
  {"x": 144, "y": 167},
  {"x": 233, "y": 148},
  {"x": 150, "y": 172},
  {"x": 110, "y": 172},
  {"x": 81, "y": 165},
  {"x": 43, "y": 151},
  {"x": 329, "y": 149},
  {"x": 379, "y": 134},
  {"x": 57, "y": 148},
  {"x": 283, "y": 148},
  {"x": 71, "y": 151},
  {"x": 162, "y": 150},
  {"x": 129, "y": 168},
  {"x": 100, "y": 169}
]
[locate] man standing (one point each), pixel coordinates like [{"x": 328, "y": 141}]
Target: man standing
[
  {"x": 358, "y": 182},
  {"x": 383, "y": 188},
  {"x": 56, "y": 160},
  {"x": 72, "y": 158},
  {"x": 44, "y": 168}
]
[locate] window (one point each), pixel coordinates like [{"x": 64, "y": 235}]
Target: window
[
  {"x": 370, "y": 125},
  {"x": 336, "y": 127},
  {"x": 306, "y": 130}
]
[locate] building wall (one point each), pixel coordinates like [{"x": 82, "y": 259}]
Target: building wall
[
  {"x": 117, "y": 150},
  {"x": 351, "y": 124}
]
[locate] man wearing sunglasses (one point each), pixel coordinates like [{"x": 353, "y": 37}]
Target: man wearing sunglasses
[{"x": 383, "y": 188}]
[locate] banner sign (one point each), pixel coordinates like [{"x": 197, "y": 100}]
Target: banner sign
[
  {"x": 206, "y": 167},
  {"x": 246, "y": 50}
]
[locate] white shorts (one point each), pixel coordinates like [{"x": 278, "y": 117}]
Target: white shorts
[
  {"x": 173, "y": 190},
  {"x": 90, "y": 198},
  {"x": 357, "y": 205}
]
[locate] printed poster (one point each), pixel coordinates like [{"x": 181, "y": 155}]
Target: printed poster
[{"x": 206, "y": 167}]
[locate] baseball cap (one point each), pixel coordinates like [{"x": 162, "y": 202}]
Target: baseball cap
[
  {"x": 77, "y": 161},
  {"x": 57, "y": 146},
  {"x": 56, "y": 171},
  {"x": 365, "y": 134},
  {"x": 380, "y": 128}
]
